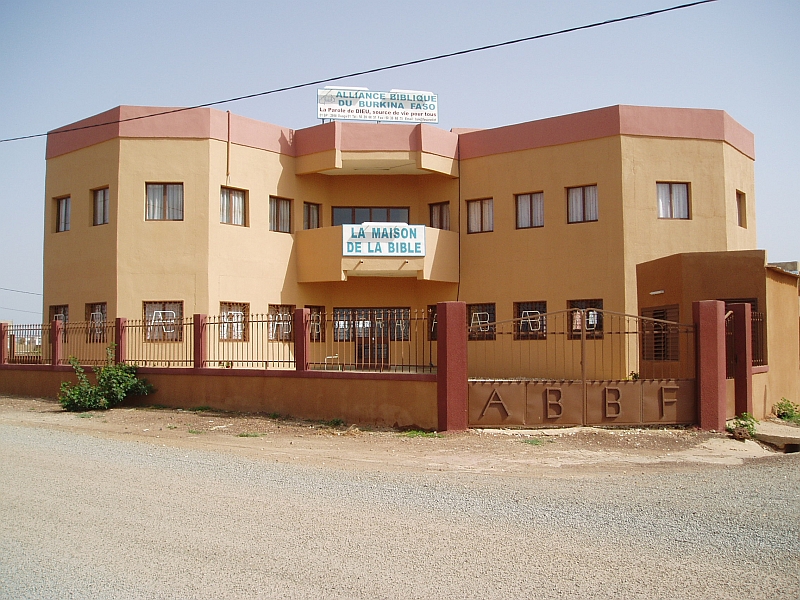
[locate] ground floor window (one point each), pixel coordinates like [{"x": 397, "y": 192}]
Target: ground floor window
[
  {"x": 481, "y": 320},
  {"x": 591, "y": 320},
  {"x": 316, "y": 323},
  {"x": 233, "y": 321},
  {"x": 660, "y": 341},
  {"x": 530, "y": 322},
  {"x": 281, "y": 318},
  {"x": 96, "y": 318},
  {"x": 164, "y": 320}
]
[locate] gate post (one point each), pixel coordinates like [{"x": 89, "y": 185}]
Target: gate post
[
  {"x": 709, "y": 321},
  {"x": 451, "y": 374},
  {"x": 743, "y": 356},
  {"x": 4, "y": 343},
  {"x": 56, "y": 333},
  {"x": 302, "y": 318}
]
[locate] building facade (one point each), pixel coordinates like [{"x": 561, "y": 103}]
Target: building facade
[{"x": 202, "y": 211}]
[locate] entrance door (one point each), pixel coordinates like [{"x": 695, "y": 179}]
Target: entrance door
[{"x": 372, "y": 338}]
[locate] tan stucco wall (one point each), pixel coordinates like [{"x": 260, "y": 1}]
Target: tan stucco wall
[
  {"x": 80, "y": 264},
  {"x": 557, "y": 262}
]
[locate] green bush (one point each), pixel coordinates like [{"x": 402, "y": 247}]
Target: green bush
[
  {"x": 787, "y": 410},
  {"x": 115, "y": 382},
  {"x": 744, "y": 421}
]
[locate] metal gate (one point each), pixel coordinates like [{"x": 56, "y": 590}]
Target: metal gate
[{"x": 580, "y": 367}]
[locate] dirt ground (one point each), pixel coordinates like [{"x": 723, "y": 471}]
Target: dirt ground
[{"x": 551, "y": 452}]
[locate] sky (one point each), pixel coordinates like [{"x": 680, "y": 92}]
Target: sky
[{"x": 64, "y": 61}]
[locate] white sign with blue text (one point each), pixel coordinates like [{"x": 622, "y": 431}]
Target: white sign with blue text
[
  {"x": 383, "y": 240},
  {"x": 400, "y": 106}
]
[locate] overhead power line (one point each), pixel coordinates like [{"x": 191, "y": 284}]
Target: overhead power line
[
  {"x": 376, "y": 69},
  {"x": 20, "y": 291},
  {"x": 33, "y": 312}
]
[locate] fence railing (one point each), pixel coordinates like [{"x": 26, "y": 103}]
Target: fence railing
[
  {"x": 250, "y": 341},
  {"x": 160, "y": 343},
  {"x": 87, "y": 341},
  {"x": 390, "y": 339},
  {"x": 581, "y": 344},
  {"x": 28, "y": 344}
]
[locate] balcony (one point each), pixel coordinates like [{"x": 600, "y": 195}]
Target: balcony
[{"x": 319, "y": 258}]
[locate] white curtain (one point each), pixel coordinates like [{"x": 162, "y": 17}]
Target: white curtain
[
  {"x": 523, "y": 211},
  {"x": 64, "y": 210},
  {"x": 285, "y": 215},
  {"x": 175, "y": 202},
  {"x": 537, "y": 206},
  {"x": 575, "y": 207},
  {"x": 155, "y": 201},
  {"x": 590, "y": 203},
  {"x": 664, "y": 211},
  {"x": 237, "y": 207},
  {"x": 474, "y": 216},
  {"x": 224, "y": 206},
  {"x": 445, "y": 220},
  {"x": 488, "y": 215},
  {"x": 680, "y": 201}
]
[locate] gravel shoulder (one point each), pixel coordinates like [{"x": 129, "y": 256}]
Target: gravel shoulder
[{"x": 552, "y": 453}]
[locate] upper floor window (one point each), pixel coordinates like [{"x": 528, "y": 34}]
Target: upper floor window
[
  {"x": 741, "y": 208},
  {"x": 310, "y": 215},
  {"x": 582, "y": 204},
  {"x": 63, "y": 210},
  {"x": 232, "y": 206},
  {"x": 530, "y": 210},
  {"x": 673, "y": 200},
  {"x": 440, "y": 215},
  {"x": 480, "y": 215},
  {"x": 355, "y": 215},
  {"x": 164, "y": 202},
  {"x": 100, "y": 207},
  {"x": 280, "y": 214}
]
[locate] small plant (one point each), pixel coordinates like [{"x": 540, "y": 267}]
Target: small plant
[
  {"x": 333, "y": 423},
  {"x": 415, "y": 433},
  {"x": 743, "y": 426},
  {"x": 115, "y": 382},
  {"x": 195, "y": 431},
  {"x": 172, "y": 426},
  {"x": 200, "y": 409},
  {"x": 534, "y": 441},
  {"x": 787, "y": 410},
  {"x": 633, "y": 376},
  {"x": 275, "y": 416},
  {"x": 249, "y": 434}
]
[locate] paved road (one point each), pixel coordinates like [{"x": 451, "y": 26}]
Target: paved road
[{"x": 87, "y": 517}]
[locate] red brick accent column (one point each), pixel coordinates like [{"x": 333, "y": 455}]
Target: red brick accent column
[
  {"x": 302, "y": 322},
  {"x": 56, "y": 341},
  {"x": 451, "y": 324},
  {"x": 120, "y": 340},
  {"x": 200, "y": 341},
  {"x": 3, "y": 343},
  {"x": 709, "y": 321},
  {"x": 743, "y": 343}
]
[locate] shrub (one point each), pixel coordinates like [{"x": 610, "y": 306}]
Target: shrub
[
  {"x": 744, "y": 423},
  {"x": 787, "y": 411},
  {"x": 115, "y": 382}
]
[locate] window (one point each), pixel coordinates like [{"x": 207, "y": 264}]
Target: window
[
  {"x": 530, "y": 321},
  {"x": 100, "y": 207},
  {"x": 163, "y": 320},
  {"x": 233, "y": 321},
  {"x": 673, "y": 200},
  {"x": 164, "y": 202},
  {"x": 355, "y": 215},
  {"x": 530, "y": 210},
  {"x": 316, "y": 323},
  {"x": 59, "y": 312},
  {"x": 582, "y": 204},
  {"x": 281, "y": 317},
  {"x": 593, "y": 316},
  {"x": 741, "y": 209},
  {"x": 433, "y": 327},
  {"x": 440, "y": 215},
  {"x": 375, "y": 324},
  {"x": 232, "y": 207},
  {"x": 480, "y": 215},
  {"x": 280, "y": 214},
  {"x": 310, "y": 215},
  {"x": 660, "y": 341},
  {"x": 481, "y": 321},
  {"x": 96, "y": 319},
  {"x": 63, "y": 209},
  {"x": 342, "y": 324}
]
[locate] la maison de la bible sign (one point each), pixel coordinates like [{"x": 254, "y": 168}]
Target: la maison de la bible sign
[
  {"x": 383, "y": 240},
  {"x": 402, "y": 106}
]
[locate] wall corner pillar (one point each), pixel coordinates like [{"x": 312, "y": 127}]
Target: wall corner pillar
[
  {"x": 451, "y": 374},
  {"x": 709, "y": 321},
  {"x": 302, "y": 322},
  {"x": 200, "y": 356}
]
